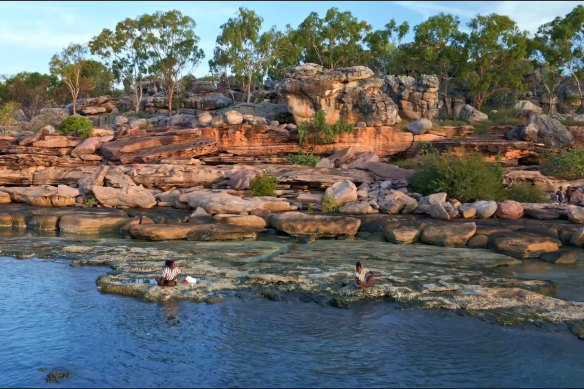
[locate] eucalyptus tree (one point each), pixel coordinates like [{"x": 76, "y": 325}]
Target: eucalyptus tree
[
  {"x": 171, "y": 45},
  {"x": 384, "y": 47},
  {"x": 125, "y": 52},
  {"x": 438, "y": 48},
  {"x": 334, "y": 41},
  {"x": 560, "y": 45},
  {"x": 242, "y": 49},
  {"x": 497, "y": 57},
  {"x": 67, "y": 67}
]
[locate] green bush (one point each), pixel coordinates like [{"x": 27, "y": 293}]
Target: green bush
[
  {"x": 307, "y": 159},
  {"x": 329, "y": 204},
  {"x": 568, "y": 164},
  {"x": 7, "y": 112},
  {"x": 466, "y": 178},
  {"x": 90, "y": 202},
  {"x": 319, "y": 132},
  {"x": 527, "y": 193},
  {"x": 501, "y": 117},
  {"x": 263, "y": 185},
  {"x": 77, "y": 124}
]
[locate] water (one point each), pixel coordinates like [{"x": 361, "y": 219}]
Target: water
[{"x": 54, "y": 318}]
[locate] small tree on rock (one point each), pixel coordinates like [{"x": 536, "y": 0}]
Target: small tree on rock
[{"x": 67, "y": 66}]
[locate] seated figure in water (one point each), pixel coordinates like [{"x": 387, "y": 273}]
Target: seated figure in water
[
  {"x": 170, "y": 274},
  {"x": 363, "y": 280}
]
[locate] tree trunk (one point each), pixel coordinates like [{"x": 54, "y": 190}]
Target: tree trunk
[
  {"x": 249, "y": 86},
  {"x": 75, "y": 100},
  {"x": 447, "y": 101},
  {"x": 138, "y": 93},
  {"x": 170, "y": 94}
]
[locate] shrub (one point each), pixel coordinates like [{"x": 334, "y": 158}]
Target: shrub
[
  {"x": 527, "y": 193},
  {"x": 329, "y": 204},
  {"x": 307, "y": 159},
  {"x": 319, "y": 132},
  {"x": 263, "y": 185},
  {"x": 568, "y": 165},
  {"x": 467, "y": 177},
  {"x": 90, "y": 202},
  {"x": 7, "y": 112},
  {"x": 77, "y": 124}
]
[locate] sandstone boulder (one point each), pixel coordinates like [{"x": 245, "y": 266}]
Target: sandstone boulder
[
  {"x": 546, "y": 130},
  {"x": 197, "y": 232},
  {"x": 241, "y": 220},
  {"x": 418, "y": 127},
  {"x": 449, "y": 235},
  {"x": 5, "y": 198},
  {"x": 416, "y": 98},
  {"x": 44, "y": 195},
  {"x": 299, "y": 224},
  {"x": 241, "y": 179},
  {"x": 403, "y": 234},
  {"x": 342, "y": 191},
  {"x": 509, "y": 209},
  {"x": 526, "y": 245},
  {"x": 437, "y": 211},
  {"x": 397, "y": 202},
  {"x": 435, "y": 198},
  {"x": 527, "y": 105},
  {"x": 560, "y": 257},
  {"x": 357, "y": 208},
  {"x": 91, "y": 223},
  {"x": 485, "y": 208},
  {"x": 128, "y": 197},
  {"x": 363, "y": 159},
  {"x": 385, "y": 171},
  {"x": 473, "y": 115}
]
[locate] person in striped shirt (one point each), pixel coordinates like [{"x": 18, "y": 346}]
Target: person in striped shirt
[{"x": 170, "y": 274}]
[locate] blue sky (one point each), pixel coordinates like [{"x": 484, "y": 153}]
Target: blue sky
[{"x": 31, "y": 32}]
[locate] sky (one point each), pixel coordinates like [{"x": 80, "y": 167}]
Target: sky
[{"x": 31, "y": 32}]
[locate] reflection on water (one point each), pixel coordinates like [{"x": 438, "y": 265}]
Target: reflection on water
[{"x": 55, "y": 319}]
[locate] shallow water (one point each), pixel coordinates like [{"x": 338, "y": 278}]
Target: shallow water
[{"x": 54, "y": 318}]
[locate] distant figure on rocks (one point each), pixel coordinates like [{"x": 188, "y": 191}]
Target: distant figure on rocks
[
  {"x": 568, "y": 195},
  {"x": 363, "y": 280},
  {"x": 560, "y": 195},
  {"x": 170, "y": 274}
]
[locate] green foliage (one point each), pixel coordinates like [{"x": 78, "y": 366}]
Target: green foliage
[
  {"x": 329, "y": 204},
  {"x": 7, "y": 112},
  {"x": 243, "y": 50},
  {"x": 334, "y": 41},
  {"x": 310, "y": 209},
  {"x": 90, "y": 202},
  {"x": 425, "y": 148},
  {"x": 263, "y": 185},
  {"x": 501, "y": 117},
  {"x": 307, "y": 159},
  {"x": 497, "y": 53},
  {"x": 31, "y": 90},
  {"x": 384, "y": 47},
  {"x": 78, "y": 125},
  {"x": 568, "y": 164},
  {"x": 527, "y": 193},
  {"x": 95, "y": 79},
  {"x": 408, "y": 163},
  {"x": 319, "y": 132},
  {"x": 465, "y": 178}
]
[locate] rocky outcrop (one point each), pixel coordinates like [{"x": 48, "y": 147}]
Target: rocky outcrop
[
  {"x": 127, "y": 197},
  {"x": 416, "y": 98},
  {"x": 353, "y": 94},
  {"x": 43, "y": 195},
  {"x": 94, "y": 106},
  {"x": 449, "y": 235},
  {"x": 197, "y": 232},
  {"x": 526, "y": 245}
]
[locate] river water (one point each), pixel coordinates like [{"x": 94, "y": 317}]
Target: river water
[{"x": 54, "y": 319}]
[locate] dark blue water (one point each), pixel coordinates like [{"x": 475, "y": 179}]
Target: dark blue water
[{"x": 52, "y": 317}]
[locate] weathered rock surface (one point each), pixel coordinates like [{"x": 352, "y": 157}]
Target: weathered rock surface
[
  {"x": 91, "y": 223},
  {"x": 509, "y": 209},
  {"x": 342, "y": 191}
]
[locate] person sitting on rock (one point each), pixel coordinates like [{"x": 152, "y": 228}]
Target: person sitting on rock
[
  {"x": 170, "y": 274},
  {"x": 363, "y": 280}
]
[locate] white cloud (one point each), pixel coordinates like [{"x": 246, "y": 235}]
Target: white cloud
[
  {"x": 528, "y": 15},
  {"x": 429, "y": 8}
]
